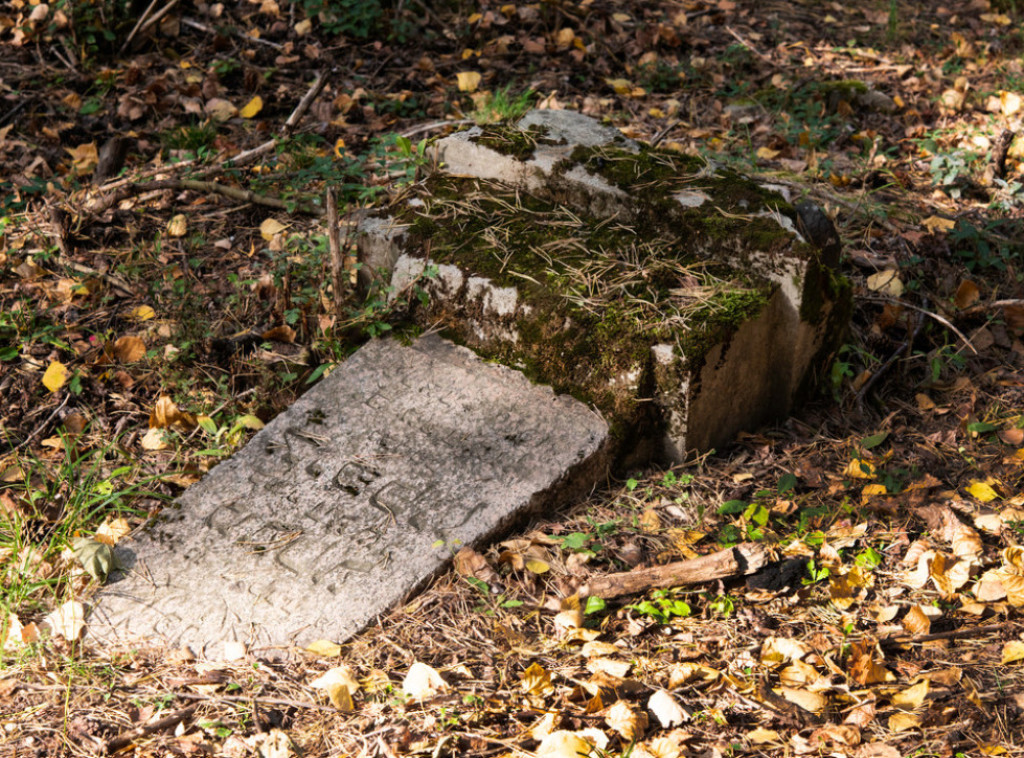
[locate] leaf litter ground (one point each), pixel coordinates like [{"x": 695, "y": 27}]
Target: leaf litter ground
[{"x": 146, "y": 336}]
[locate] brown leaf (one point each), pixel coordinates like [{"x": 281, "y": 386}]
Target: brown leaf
[
  {"x": 129, "y": 349},
  {"x": 967, "y": 294},
  {"x": 283, "y": 333},
  {"x": 864, "y": 668},
  {"x": 468, "y": 562},
  {"x": 166, "y": 414},
  {"x": 916, "y": 622}
]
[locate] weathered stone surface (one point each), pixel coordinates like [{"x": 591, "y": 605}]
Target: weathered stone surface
[
  {"x": 672, "y": 294},
  {"x": 352, "y": 499}
]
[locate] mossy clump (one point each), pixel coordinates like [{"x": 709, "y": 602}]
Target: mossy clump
[
  {"x": 517, "y": 143},
  {"x": 598, "y": 294}
]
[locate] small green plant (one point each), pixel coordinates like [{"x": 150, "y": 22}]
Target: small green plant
[
  {"x": 662, "y": 607},
  {"x": 195, "y": 140},
  {"x": 816, "y": 573},
  {"x": 951, "y": 171},
  {"x": 723, "y": 605},
  {"x": 355, "y": 18},
  {"x": 57, "y": 502},
  {"x": 501, "y": 105},
  {"x": 986, "y": 247}
]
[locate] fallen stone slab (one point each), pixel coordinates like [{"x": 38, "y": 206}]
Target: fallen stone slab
[
  {"x": 679, "y": 298},
  {"x": 351, "y": 500}
]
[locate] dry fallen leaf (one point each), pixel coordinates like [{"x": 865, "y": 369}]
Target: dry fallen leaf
[
  {"x": 666, "y": 709},
  {"x": 251, "y": 108},
  {"x": 537, "y": 681},
  {"x": 154, "y": 440},
  {"x": 178, "y": 225},
  {"x": 96, "y": 558},
  {"x": 324, "y": 648},
  {"x": 886, "y": 282},
  {"x": 423, "y": 682},
  {"x": 563, "y": 744},
  {"x": 55, "y": 376},
  {"x": 1013, "y": 651},
  {"x": 111, "y": 532},
  {"x": 901, "y": 722},
  {"x": 814, "y": 702},
  {"x": 340, "y": 684},
  {"x": 129, "y": 349},
  {"x": 468, "y": 81},
  {"x": 630, "y": 724},
  {"x": 967, "y": 294},
  {"x": 270, "y": 228},
  {"x": 67, "y": 621},
  {"x": 913, "y": 697},
  {"x": 166, "y": 414}
]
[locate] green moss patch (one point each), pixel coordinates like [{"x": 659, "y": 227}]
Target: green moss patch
[{"x": 598, "y": 294}]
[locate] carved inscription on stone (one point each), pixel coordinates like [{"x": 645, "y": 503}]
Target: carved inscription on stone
[{"x": 350, "y": 500}]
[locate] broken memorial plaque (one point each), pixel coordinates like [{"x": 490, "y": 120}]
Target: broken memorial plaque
[{"x": 351, "y": 500}]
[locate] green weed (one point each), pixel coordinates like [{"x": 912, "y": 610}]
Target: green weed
[{"x": 56, "y": 502}]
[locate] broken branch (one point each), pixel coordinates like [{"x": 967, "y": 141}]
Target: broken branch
[{"x": 735, "y": 561}]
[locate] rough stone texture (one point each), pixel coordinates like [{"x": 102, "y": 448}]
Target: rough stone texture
[
  {"x": 352, "y": 499},
  {"x": 671, "y": 293}
]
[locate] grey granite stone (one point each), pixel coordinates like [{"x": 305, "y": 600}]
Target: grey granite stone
[
  {"x": 351, "y": 500},
  {"x": 683, "y": 300}
]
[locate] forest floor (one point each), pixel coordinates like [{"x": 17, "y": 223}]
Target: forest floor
[{"x": 161, "y": 297}]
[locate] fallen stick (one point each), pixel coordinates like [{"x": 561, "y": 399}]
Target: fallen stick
[
  {"x": 171, "y": 720},
  {"x": 741, "y": 560},
  {"x": 216, "y": 188},
  {"x": 300, "y": 110}
]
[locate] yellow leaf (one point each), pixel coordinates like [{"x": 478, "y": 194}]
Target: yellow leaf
[
  {"x": 860, "y": 469},
  {"x": 565, "y": 36},
  {"x": 621, "y": 86},
  {"x": 537, "y": 566},
  {"x": 1010, "y": 103},
  {"x": 912, "y": 697},
  {"x": 766, "y": 153},
  {"x": 630, "y": 724},
  {"x": 982, "y": 491},
  {"x": 468, "y": 80},
  {"x": 154, "y": 440},
  {"x": 55, "y": 376},
  {"x": 537, "y": 681},
  {"x": 563, "y": 744},
  {"x": 340, "y": 684},
  {"x": 83, "y": 158},
  {"x": 177, "y": 226},
  {"x": 142, "y": 313},
  {"x": 111, "y": 532},
  {"x": 270, "y": 228},
  {"x": 999, "y": 19},
  {"x": 935, "y": 224},
  {"x": 871, "y": 490},
  {"x": 1013, "y": 651},
  {"x": 324, "y": 648},
  {"x": 814, "y": 702},
  {"x": 252, "y": 107},
  {"x": 761, "y": 736},
  {"x": 901, "y": 722},
  {"x": 887, "y": 282}
]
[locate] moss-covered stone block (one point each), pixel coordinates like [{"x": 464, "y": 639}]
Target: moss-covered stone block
[{"x": 677, "y": 298}]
